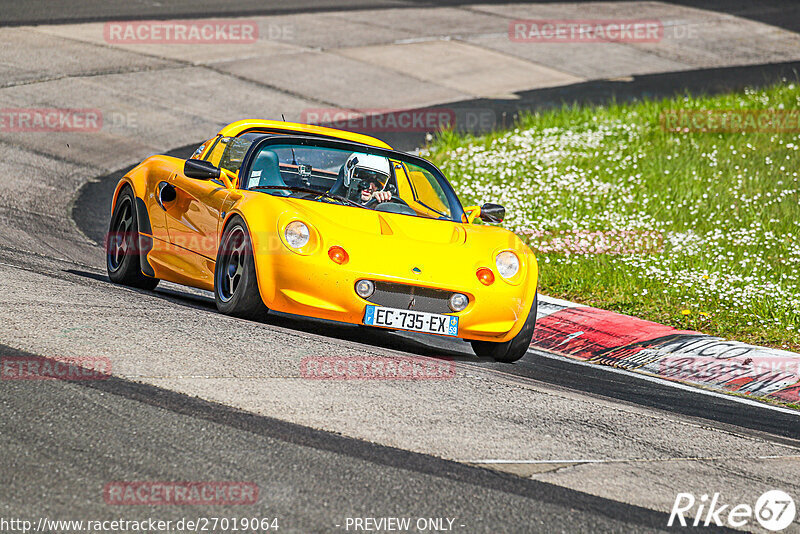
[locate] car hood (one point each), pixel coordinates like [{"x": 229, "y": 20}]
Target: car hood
[
  {"x": 403, "y": 247},
  {"x": 366, "y": 223}
]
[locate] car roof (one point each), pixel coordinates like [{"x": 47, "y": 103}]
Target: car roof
[{"x": 295, "y": 128}]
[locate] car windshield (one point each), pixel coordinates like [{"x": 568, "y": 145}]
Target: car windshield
[{"x": 362, "y": 177}]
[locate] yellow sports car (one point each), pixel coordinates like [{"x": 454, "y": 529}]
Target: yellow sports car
[{"x": 329, "y": 224}]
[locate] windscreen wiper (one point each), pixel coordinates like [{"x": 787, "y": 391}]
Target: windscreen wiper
[{"x": 325, "y": 194}]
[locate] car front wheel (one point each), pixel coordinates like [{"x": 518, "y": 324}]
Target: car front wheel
[
  {"x": 235, "y": 282},
  {"x": 513, "y": 349}
]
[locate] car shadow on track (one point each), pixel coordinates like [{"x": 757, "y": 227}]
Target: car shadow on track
[{"x": 408, "y": 342}]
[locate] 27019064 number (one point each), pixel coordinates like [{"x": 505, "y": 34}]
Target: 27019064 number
[{"x": 245, "y": 524}]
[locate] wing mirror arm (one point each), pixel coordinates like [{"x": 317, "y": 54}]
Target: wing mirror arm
[
  {"x": 227, "y": 178},
  {"x": 472, "y": 212}
]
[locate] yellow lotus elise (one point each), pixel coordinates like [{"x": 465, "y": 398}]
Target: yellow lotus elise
[{"x": 329, "y": 224}]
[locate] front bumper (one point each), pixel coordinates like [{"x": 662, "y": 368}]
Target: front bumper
[{"x": 315, "y": 286}]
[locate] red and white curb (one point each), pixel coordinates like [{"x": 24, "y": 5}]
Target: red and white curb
[{"x": 595, "y": 336}]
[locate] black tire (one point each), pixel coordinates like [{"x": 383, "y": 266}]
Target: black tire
[
  {"x": 235, "y": 282},
  {"x": 513, "y": 349},
  {"x": 124, "y": 245}
]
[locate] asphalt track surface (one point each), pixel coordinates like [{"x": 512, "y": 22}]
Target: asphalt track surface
[
  {"x": 782, "y": 13},
  {"x": 313, "y": 480},
  {"x": 62, "y": 441}
]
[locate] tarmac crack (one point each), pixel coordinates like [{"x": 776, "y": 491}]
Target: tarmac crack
[
  {"x": 182, "y": 63},
  {"x": 532, "y": 468},
  {"x": 92, "y": 74}
]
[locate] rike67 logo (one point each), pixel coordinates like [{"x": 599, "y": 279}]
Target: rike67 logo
[{"x": 774, "y": 510}]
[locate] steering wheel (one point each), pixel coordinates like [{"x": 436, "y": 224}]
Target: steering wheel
[{"x": 374, "y": 202}]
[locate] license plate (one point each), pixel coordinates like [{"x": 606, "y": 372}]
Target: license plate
[{"x": 430, "y": 323}]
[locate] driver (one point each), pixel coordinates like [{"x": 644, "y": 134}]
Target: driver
[
  {"x": 366, "y": 176},
  {"x": 374, "y": 190}
]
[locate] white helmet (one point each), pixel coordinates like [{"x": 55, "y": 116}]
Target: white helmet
[{"x": 366, "y": 167}]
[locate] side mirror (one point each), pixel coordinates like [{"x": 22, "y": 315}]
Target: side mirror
[
  {"x": 200, "y": 170},
  {"x": 492, "y": 213}
]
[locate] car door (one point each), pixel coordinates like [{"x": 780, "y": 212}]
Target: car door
[{"x": 194, "y": 214}]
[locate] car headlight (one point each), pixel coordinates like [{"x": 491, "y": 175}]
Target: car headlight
[
  {"x": 297, "y": 234},
  {"x": 507, "y": 264}
]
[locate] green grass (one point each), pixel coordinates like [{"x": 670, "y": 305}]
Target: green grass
[{"x": 696, "y": 230}]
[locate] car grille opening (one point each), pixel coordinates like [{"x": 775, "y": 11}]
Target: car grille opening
[{"x": 406, "y": 297}]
